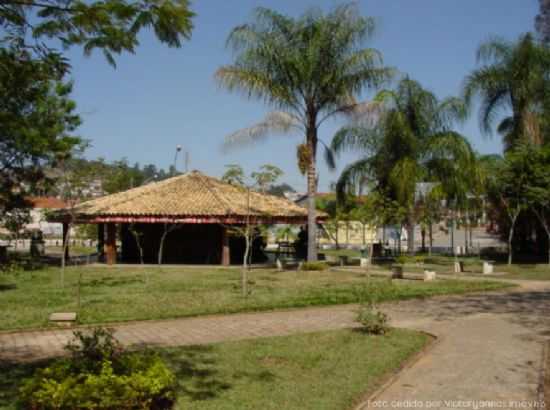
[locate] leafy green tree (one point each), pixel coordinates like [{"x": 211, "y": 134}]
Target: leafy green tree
[
  {"x": 309, "y": 69},
  {"x": 266, "y": 176},
  {"x": 15, "y": 221},
  {"x": 410, "y": 141},
  {"x": 513, "y": 78},
  {"x": 280, "y": 189},
  {"x": 430, "y": 212},
  {"x": 121, "y": 177},
  {"x": 234, "y": 175},
  {"x": 111, "y": 26},
  {"x": 37, "y": 117},
  {"x": 37, "y": 122},
  {"x": 538, "y": 186},
  {"x": 507, "y": 185},
  {"x": 542, "y": 21}
]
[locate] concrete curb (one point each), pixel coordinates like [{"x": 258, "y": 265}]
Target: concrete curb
[{"x": 390, "y": 379}]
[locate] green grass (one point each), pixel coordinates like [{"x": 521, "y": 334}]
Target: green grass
[
  {"x": 321, "y": 371},
  {"x": 76, "y": 250},
  {"x": 525, "y": 271},
  {"x": 351, "y": 253},
  {"x": 473, "y": 265},
  {"x": 142, "y": 293}
]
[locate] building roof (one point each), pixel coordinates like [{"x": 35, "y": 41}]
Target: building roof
[
  {"x": 46, "y": 202},
  {"x": 189, "y": 198}
]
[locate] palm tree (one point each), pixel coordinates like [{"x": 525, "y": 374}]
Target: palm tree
[
  {"x": 411, "y": 141},
  {"x": 308, "y": 69},
  {"x": 513, "y": 78}
]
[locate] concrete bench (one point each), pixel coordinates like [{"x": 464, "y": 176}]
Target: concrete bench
[
  {"x": 488, "y": 267},
  {"x": 286, "y": 263},
  {"x": 63, "y": 318}
]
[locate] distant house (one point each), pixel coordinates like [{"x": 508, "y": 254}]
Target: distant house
[
  {"x": 345, "y": 233},
  {"x": 40, "y": 207}
]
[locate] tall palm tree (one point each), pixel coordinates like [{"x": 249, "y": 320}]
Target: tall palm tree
[
  {"x": 513, "y": 78},
  {"x": 411, "y": 141},
  {"x": 308, "y": 69}
]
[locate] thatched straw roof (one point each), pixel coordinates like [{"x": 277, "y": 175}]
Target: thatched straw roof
[{"x": 189, "y": 198}]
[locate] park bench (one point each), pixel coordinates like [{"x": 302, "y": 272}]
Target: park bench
[{"x": 287, "y": 263}]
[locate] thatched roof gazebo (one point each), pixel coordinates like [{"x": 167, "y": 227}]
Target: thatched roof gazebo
[{"x": 202, "y": 207}]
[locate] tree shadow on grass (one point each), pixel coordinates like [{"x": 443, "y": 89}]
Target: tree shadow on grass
[
  {"x": 198, "y": 375},
  {"x": 113, "y": 281},
  {"x": 12, "y": 376},
  {"x": 195, "y": 371}
]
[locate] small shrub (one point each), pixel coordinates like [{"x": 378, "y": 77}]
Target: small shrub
[
  {"x": 100, "y": 376},
  {"x": 314, "y": 266},
  {"x": 372, "y": 320},
  {"x": 402, "y": 260}
]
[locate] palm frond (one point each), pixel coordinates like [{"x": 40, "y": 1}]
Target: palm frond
[
  {"x": 494, "y": 49},
  {"x": 275, "y": 122},
  {"x": 352, "y": 175}
]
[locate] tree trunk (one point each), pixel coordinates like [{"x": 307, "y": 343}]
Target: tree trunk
[
  {"x": 467, "y": 243},
  {"x": 410, "y": 235},
  {"x": 453, "y": 226},
  {"x": 430, "y": 233},
  {"x": 65, "y": 251},
  {"x": 244, "y": 273},
  {"x": 364, "y": 234},
  {"x": 423, "y": 234},
  {"x": 161, "y": 246},
  {"x": 510, "y": 237},
  {"x": 311, "y": 192}
]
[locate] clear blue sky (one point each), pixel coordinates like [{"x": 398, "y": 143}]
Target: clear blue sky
[{"x": 162, "y": 97}]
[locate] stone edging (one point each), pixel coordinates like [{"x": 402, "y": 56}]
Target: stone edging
[{"x": 390, "y": 379}]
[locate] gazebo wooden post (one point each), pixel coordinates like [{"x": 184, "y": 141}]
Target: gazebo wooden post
[
  {"x": 101, "y": 240},
  {"x": 110, "y": 244},
  {"x": 226, "y": 258},
  {"x": 65, "y": 240}
]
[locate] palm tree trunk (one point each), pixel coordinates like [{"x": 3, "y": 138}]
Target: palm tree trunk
[
  {"x": 510, "y": 237},
  {"x": 311, "y": 192}
]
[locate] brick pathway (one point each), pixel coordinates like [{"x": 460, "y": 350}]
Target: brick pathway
[{"x": 27, "y": 346}]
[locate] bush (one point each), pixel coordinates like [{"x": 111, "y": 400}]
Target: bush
[
  {"x": 318, "y": 266},
  {"x": 372, "y": 320},
  {"x": 100, "y": 376}
]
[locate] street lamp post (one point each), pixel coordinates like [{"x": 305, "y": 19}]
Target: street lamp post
[{"x": 178, "y": 150}]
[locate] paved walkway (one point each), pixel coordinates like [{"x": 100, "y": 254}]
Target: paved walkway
[{"x": 489, "y": 347}]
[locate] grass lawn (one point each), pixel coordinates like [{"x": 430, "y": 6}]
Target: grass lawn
[
  {"x": 142, "y": 293},
  {"x": 321, "y": 371},
  {"x": 76, "y": 250},
  {"x": 474, "y": 265},
  {"x": 351, "y": 253}
]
